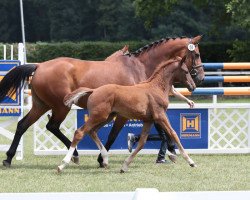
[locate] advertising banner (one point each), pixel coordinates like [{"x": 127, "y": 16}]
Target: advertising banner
[
  {"x": 12, "y": 102},
  {"x": 191, "y": 125}
]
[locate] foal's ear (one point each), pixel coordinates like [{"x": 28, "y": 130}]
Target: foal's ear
[
  {"x": 197, "y": 39},
  {"x": 184, "y": 67}
]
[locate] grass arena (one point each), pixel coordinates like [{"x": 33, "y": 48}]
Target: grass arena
[{"x": 225, "y": 169}]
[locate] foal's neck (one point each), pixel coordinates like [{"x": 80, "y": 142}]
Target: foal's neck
[{"x": 163, "y": 78}]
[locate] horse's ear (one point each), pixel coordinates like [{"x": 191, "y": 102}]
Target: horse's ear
[
  {"x": 125, "y": 49},
  {"x": 197, "y": 39}
]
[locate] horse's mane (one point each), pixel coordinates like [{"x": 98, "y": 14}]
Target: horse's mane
[
  {"x": 152, "y": 45},
  {"x": 159, "y": 68}
]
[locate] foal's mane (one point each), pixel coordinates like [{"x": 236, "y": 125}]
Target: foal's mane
[
  {"x": 160, "y": 67},
  {"x": 152, "y": 45}
]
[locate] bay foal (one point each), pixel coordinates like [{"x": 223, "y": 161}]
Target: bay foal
[{"x": 146, "y": 101}]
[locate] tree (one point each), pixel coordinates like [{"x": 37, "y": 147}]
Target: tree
[
  {"x": 10, "y": 29},
  {"x": 108, "y": 13},
  {"x": 240, "y": 11},
  {"x": 65, "y": 20},
  {"x": 150, "y": 10}
]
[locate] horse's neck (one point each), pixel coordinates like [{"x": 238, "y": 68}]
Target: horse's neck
[
  {"x": 135, "y": 68},
  {"x": 156, "y": 55},
  {"x": 163, "y": 81}
]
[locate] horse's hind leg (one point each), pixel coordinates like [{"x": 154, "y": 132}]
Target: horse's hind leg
[
  {"x": 118, "y": 125},
  {"x": 34, "y": 114},
  {"x": 58, "y": 115},
  {"x": 165, "y": 124},
  {"x": 104, "y": 152},
  {"x": 140, "y": 145}
]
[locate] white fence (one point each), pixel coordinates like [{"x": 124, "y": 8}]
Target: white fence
[
  {"x": 229, "y": 131},
  {"x": 139, "y": 194},
  {"x": 6, "y": 123}
]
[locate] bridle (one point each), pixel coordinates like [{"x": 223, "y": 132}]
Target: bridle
[{"x": 190, "y": 51}]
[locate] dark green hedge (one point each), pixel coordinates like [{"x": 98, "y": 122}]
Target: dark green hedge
[
  {"x": 39, "y": 52},
  {"x": 83, "y": 50}
]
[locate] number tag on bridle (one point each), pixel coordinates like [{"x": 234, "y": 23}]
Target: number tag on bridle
[{"x": 191, "y": 47}]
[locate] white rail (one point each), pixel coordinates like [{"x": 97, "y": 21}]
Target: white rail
[{"x": 139, "y": 194}]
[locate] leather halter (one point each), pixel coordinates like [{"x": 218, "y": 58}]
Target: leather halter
[{"x": 193, "y": 72}]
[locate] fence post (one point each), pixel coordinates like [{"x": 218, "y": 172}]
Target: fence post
[
  {"x": 249, "y": 129},
  {"x": 21, "y": 53},
  {"x": 11, "y": 52},
  {"x": 4, "y": 52}
]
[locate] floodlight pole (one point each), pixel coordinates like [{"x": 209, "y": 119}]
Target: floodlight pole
[{"x": 23, "y": 32}]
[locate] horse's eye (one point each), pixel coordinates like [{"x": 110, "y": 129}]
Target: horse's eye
[{"x": 197, "y": 55}]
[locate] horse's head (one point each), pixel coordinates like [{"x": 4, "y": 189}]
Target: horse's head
[
  {"x": 169, "y": 48},
  {"x": 185, "y": 77},
  {"x": 193, "y": 61}
]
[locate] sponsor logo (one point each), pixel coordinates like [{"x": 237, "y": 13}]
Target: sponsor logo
[{"x": 190, "y": 125}]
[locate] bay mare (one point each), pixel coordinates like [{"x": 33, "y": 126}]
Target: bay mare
[
  {"x": 146, "y": 101},
  {"x": 54, "y": 79}
]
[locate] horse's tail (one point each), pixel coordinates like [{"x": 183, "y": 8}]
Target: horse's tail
[
  {"x": 15, "y": 79},
  {"x": 73, "y": 97}
]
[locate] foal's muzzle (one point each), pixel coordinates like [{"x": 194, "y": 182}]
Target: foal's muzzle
[{"x": 195, "y": 75}]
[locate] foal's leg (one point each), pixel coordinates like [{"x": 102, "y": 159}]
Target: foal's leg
[
  {"x": 90, "y": 125},
  {"x": 58, "y": 115},
  {"x": 104, "y": 152},
  {"x": 140, "y": 145},
  {"x": 118, "y": 125},
  {"x": 165, "y": 124},
  {"x": 34, "y": 114},
  {"x": 79, "y": 134}
]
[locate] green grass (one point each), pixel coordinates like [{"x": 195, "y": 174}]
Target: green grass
[{"x": 38, "y": 173}]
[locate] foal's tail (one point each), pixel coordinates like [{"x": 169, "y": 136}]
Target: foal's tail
[
  {"x": 73, "y": 97},
  {"x": 15, "y": 79}
]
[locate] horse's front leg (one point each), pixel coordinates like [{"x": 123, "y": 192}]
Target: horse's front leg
[
  {"x": 164, "y": 122},
  {"x": 118, "y": 125},
  {"x": 140, "y": 145}
]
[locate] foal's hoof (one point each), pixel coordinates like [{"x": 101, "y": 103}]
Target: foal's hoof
[
  {"x": 76, "y": 160},
  {"x": 60, "y": 169},
  {"x": 124, "y": 167},
  {"x": 6, "y": 164},
  {"x": 173, "y": 158},
  {"x": 193, "y": 165}
]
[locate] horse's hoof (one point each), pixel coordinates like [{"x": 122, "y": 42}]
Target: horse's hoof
[
  {"x": 193, "y": 165},
  {"x": 59, "y": 169},
  {"x": 105, "y": 165},
  {"x": 100, "y": 161},
  {"x": 76, "y": 160},
  {"x": 6, "y": 164},
  {"x": 101, "y": 165},
  {"x": 124, "y": 168},
  {"x": 173, "y": 158}
]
